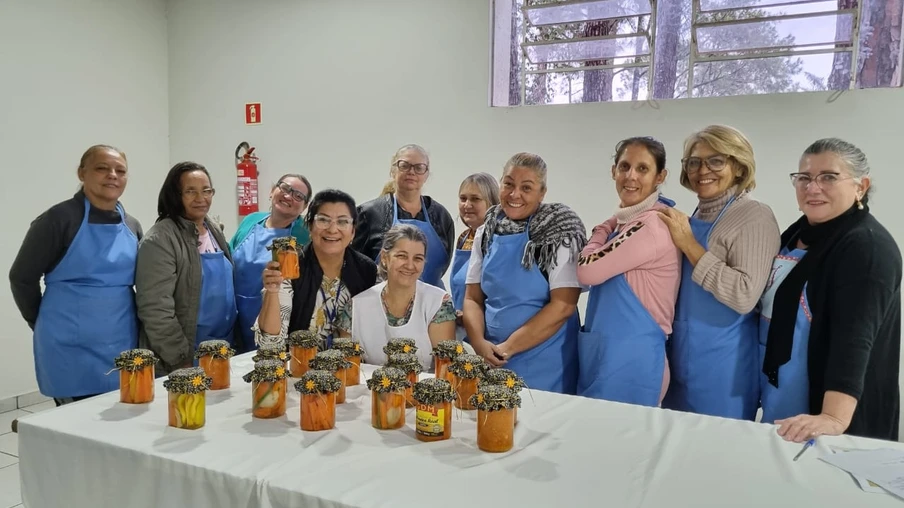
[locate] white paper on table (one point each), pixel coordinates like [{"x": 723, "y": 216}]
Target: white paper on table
[
  {"x": 883, "y": 467},
  {"x": 862, "y": 482}
]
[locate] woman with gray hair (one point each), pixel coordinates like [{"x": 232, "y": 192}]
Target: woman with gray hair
[
  {"x": 830, "y": 318},
  {"x": 401, "y": 306}
]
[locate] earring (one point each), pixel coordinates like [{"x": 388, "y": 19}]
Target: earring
[{"x": 859, "y": 204}]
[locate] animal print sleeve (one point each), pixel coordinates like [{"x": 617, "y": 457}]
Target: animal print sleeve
[{"x": 629, "y": 249}]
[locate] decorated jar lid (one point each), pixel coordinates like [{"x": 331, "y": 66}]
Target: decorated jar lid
[
  {"x": 135, "y": 359},
  {"x": 433, "y": 391},
  {"x": 396, "y": 346},
  {"x": 468, "y": 366},
  {"x": 269, "y": 369},
  {"x": 388, "y": 379},
  {"x": 315, "y": 382},
  {"x": 503, "y": 377},
  {"x": 283, "y": 243},
  {"x": 406, "y": 362},
  {"x": 219, "y": 349},
  {"x": 331, "y": 360},
  {"x": 188, "y": 380},
  {"x": 349, "y": 347},
  {"x": 448, "y": 349},
  {"x": 305, "y": 339},
  {"x": 495, "y": 398},
  {"x": 274, "y": 350}
]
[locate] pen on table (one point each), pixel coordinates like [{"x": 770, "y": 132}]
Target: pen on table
[{"x": 808, "y": 444}]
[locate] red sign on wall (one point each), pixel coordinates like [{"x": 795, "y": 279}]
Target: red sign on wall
[{"x": 253, "y": 113}]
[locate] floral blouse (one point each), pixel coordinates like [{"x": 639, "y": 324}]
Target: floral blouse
[
  {"x": 445, "y": 313},
  {"x": 331, "y": 298}
]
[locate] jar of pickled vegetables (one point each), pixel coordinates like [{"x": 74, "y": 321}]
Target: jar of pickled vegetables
[
  {"x": 213, "y": 356},
  {"x": 433, "y": 417},
  {"x": 387, "y": 386},
  {"x": 186, "y": 397},
  {"x": 333, "y": 360},
  {"x": 465, "y": 371},
  {"x": 352, "y": 350},
  {"x": 136, "y": 375},
  {"x": 318, "y": 390},
  {"x": 273, "y": 349},
  {"x": 411, "y": 366},
  {"x": 399, "y": 346},
  {"x": 506, "y": 378},
  {"x": 303, "y": 345},
  {"x": 285, "y": 252},
  {"x": 443, "y": 354},
  {"x": 268, "y": 388},
  {"x": 495, "y": 417}
]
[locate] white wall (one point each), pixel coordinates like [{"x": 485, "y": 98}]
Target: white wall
[{"x": 73, "y": 74}]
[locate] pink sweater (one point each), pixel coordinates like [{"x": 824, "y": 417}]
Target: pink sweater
[{"x": 645, "y": 253}]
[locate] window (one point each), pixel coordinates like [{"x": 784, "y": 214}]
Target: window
[{"x": 570, "y": 51}]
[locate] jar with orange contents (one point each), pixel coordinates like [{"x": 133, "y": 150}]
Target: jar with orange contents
[
  {"x": 506, "y": 378},
  {"x": 332, "y": 360},
  {"x": 273, "y": 349},
  {"x": 303, "y": 345},
  {"x": 285, "y": 252},
  {"x": 353, "y": 351},
  {"x": 213, "y": 356},
  {"x": 186, "y": 398},
  {"x": 387, "y": 386},
  {"x": 411, "y": 366},
  {"x": 268, "y": 388},
  {"x": 399, "y": 346},
  {"x": 495, "y": 417},
  {"x": 443, "y": 355},
  {"x": 318, "y": 390},
  {"x": 464, "y": 373},
  {"x": 136, "y": 375},
  {"x": 433, "y": 417}
]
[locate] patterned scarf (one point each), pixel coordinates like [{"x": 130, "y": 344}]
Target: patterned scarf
[{"x": 552, "y": 226}]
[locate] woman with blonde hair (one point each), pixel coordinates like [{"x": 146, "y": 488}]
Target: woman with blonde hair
[
  {"x": 728, "y": 245},
  {"x": 401, "y": 202}
]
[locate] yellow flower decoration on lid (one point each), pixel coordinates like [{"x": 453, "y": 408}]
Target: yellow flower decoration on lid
[
  {"x": 138, "y": 361},
  {"x": 280, "y": 371},
  {"x": 224, "y": 351},
  {"x": 310, "y": 384},
  {"x": 282, "y": 356},
  {"x": 292, "y": 242},
  {"x": 406, "y": 349},
  {"x": 357, "y": 347},
  {"x": 510, "y": 382},
  {"x": 197, "y": 381},
  {"x": 385, "y": 382},
  {"x": 480, "y": 398},
  {"x": 468, "y": 367},
  {"x": 459, "y": 350}
]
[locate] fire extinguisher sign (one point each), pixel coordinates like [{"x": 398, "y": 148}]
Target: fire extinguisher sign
[{"x": 252, "y": 113}]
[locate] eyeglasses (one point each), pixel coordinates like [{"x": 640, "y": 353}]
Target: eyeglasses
[
  {"x": 287, "y": 189},
  {"x": 824, "y": 181},
  {"x": 193, "y": 193},
  {"x": 715, "y": 163},
  {"x": 324, "y": 222},
  {"x": 405, "y": 167}
]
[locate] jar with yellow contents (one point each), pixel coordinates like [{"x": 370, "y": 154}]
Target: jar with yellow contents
[
  {"x": 464, "y": 373},
  {"x": 268, "y": 388},
  {"x": 433, "y": 417},
  {"x": 136, "y": 375},
  {"x": 186, "y": 400},
  {"x": 213, "y": 356},
  {"x": 387, "y": 386}
]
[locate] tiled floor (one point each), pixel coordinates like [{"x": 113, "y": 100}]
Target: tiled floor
[{"x": 9, "y": 455}]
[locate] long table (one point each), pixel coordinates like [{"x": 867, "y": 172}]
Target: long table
[{"x": 568, "y": 451}]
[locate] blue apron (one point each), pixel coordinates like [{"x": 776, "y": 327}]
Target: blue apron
[
  {"x": 621, "y": 348},
  {"x": 87, "y": 314},
  {"x": 250, "y": 258},
  {"x": 513, "y": 296},
  {"x": 713, "y": 349},
  {"x": 792, "y": 397},
  {"x": 436, "y": 253},
  {"x": 457, "y": 283},
  {"x": 216, "y": 312}
]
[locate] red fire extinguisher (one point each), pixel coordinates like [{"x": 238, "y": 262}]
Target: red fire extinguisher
[{"x": 246, "y": 169}]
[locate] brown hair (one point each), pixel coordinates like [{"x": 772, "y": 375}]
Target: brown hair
[{"x": 99, "y": 148}]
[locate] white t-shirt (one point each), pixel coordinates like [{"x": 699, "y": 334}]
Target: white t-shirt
[{"x": 563, "y": 275}]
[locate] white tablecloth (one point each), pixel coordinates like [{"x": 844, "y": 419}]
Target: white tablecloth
[{"x": 568, "y": 450}]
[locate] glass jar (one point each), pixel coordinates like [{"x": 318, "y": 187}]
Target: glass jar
[
  {"x": 441, "y": 368},
  {"x": 353, "y": 373},
  {"x": 217, "y": 369},
  {"x": 268, "y": 398},
  {"x": 387, "y": 410},
  {"x": 187, "y": 410},
  {"x": 285, "y": 253},
  {"x": 136, "y": 386},
  {"x": 318, "y": 411},
  {"x": 464, "y": 389},
  {"x": 298, "y": 364},
  {"x": 340, "y": 395},
  {"x": 433, "y": 422},
  {"x": 496, "y": 430}
]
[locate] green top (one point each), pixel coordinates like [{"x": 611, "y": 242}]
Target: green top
[{"x": 298, "y": 230}]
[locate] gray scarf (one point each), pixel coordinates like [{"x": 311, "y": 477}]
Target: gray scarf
[{"x": 552, "y": 226}]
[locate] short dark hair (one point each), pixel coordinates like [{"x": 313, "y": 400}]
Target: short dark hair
[
  {"x": 300, "y": 177},
  {"x": 169, "y": 202},
  {"x": 330, "y": 196},
  {"x": 653, "y": 146}
]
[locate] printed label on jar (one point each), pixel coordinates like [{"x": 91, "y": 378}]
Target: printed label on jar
[{"x": 430, "y": 420}]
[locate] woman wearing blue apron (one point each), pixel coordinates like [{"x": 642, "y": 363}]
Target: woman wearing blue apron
[
  {"x": 728, "y": 247},
  {"x": 288, "y": 199},
  {"x": 633, "y": 270},
  {"x": 524, "y": 262},
  {"x": 476, "y": 194},
  {"x": 85, "y": 248},
  {"x": 184, "y": 281},
  {"x": 403, "y": 203}
]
